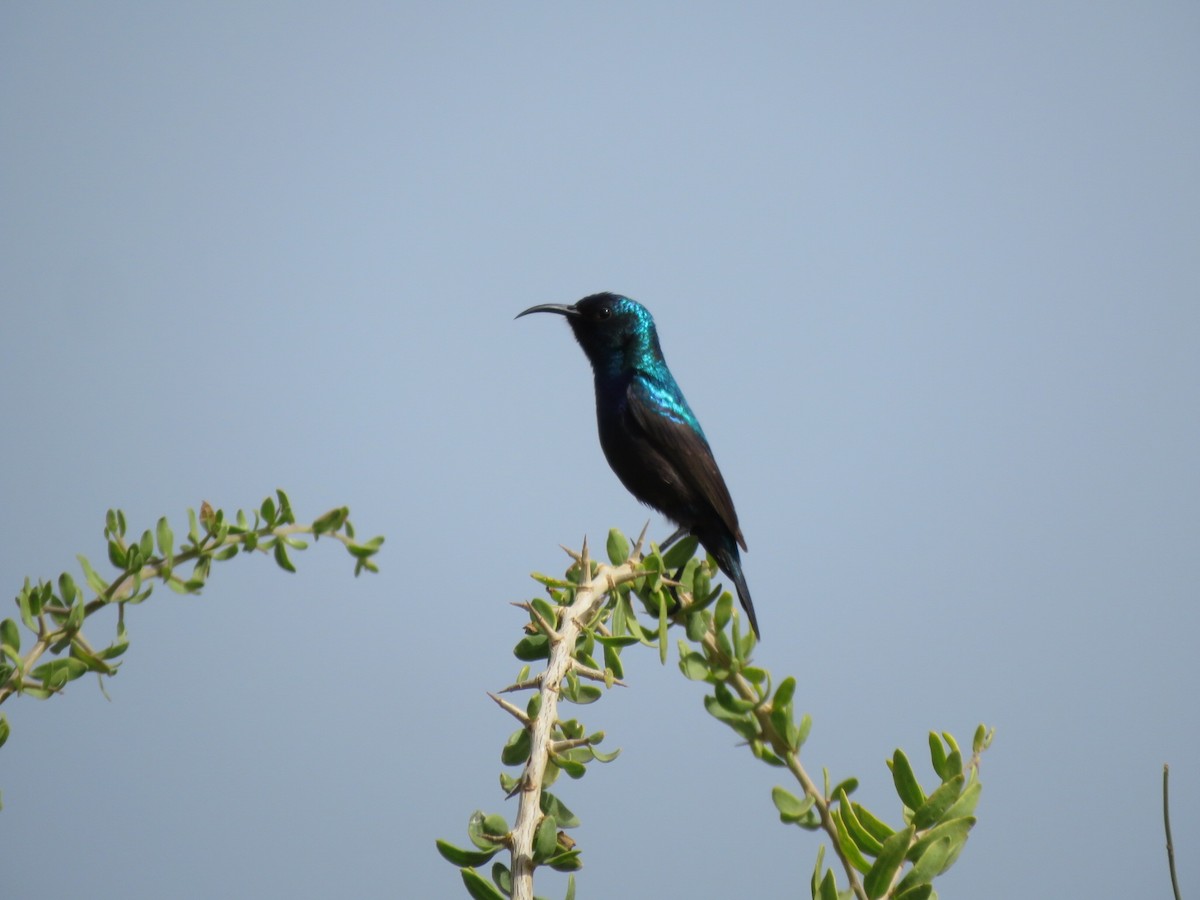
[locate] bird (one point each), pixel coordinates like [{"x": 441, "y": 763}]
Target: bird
[{"x": 651, "y": 438}]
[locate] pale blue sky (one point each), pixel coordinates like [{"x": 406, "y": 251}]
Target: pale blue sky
[{"x": 929, "y": 274}]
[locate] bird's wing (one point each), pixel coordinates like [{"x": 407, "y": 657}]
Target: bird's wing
[{"x": 673, "y": 431}]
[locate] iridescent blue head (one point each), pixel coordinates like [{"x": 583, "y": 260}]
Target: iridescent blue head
[{"x": 616, "y": 333}]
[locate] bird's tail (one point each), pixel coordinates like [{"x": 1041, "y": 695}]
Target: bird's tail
[{"x": 725, "y": 552}]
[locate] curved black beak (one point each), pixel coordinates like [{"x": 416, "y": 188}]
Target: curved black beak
[{"x": 568, "y": 311}]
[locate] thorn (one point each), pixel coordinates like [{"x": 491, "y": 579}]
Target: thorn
[
  {"x": 593, "y": 674},
  {"x": 637, "y": 548},
  {"x": 560, "y": 747},
  {"x": 515, "y": 711},
  {"x": 535, "y": 682},
  {"x": 549, "y": 630}
]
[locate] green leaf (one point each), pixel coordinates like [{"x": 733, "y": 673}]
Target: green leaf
[
  {"x": 460, "y": 857},
  {"x": 697, "y": 626},
  {"x": 281, "y": 557},
  {"x": 516, "y": 748},
  {"x": 331, "y": 521},
  {"x": 982, "y": 739},
  {"x": 616, "y": 642},
  {"x": 663, "y": 624},
  {"x": 75, "y": 616},
  {"x": 920, "y": 892},
  {"x": 891, "y": 857},
  {"x": 573, "y": 767},
  {"x": 612, "y": 662},
  {"x": 10, "y": 637},
  {"x": 703, "y": 593},
  {"x": 828, "y": 890},
  {"x": 954, "y": 829},
  {"x": 486, "y": 831},
  {"x": 908, "y": 789},
  {"x": 932, "y": 810},
  {"x": 743, "y": 723},
  {"x": 95, "y": 582},
  {"x": 863, "y": 839},
  {"x": 761, "y": 751},
  {"x": 479, "y": 887},
  {"x": 362, "y": 551},
  {"x": 965, "y": 804},
  {"x": 618, "y": 547},
  {"x": 534, "y": 706},
  {"x": 815, "y": 881},
  {"x": 680, "y": 552},
  {"x": 730, "y": 700},
  {"x": 791, "y": 808},
  {"x": 566, "y": 862},
  {"x": 582, "y": 694},
  {"x": 552, "y": 806},
  {"x": 879, "y": 830},
  {"x": 4, "y": 730},
  {"x": 570, "y": 887},
  {"x": 721, "y": 620},
  {"x": 934, "y": 860},
  {"x": 849, "y": 848},
  {"x": 803, "y": 729},
  {"x": 952, "y": 767},
  {"x": 94, "y": 663},
  {"x": 937, "y": 754},
  {"x": 117, "y": 647},
  {"x": 605, "y": 757},
  {"x": 692, "y": 664},
  {"x": 67, "y": 589},
  {"x": 785, "y": 692},
  {"x": 847, "y": 786},
  {"x": 951, "y": 742},
  {"x": 267, "y": 510},
  {"x": 502, "y": 878},
  {"x": 781, "y": 721},
  {"x": 632, "y": 624},
  {"x": 29, "y": 606},
  {"x": 532, "y": 647},
  {"x": 58, "y": 672},
  {"x": 545, "y": 839},
  {"x": 746, "y": 642},
  {"x": 286, "y": 517}
]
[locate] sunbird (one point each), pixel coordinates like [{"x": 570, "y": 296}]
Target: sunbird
[{"x": 649, "y": 434}]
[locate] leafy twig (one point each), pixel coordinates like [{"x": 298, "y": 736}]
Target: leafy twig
[
  {"x": 591, "y": 608},
  {"x": 55, "y": 612}
]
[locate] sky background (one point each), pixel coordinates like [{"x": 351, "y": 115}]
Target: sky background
[{"x": 929, "y": 274}]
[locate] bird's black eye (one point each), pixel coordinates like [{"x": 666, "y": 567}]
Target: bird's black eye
[{"x": 604, "y": 312}]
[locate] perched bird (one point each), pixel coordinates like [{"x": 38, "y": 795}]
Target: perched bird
[{"x": 649, "y": 434}]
